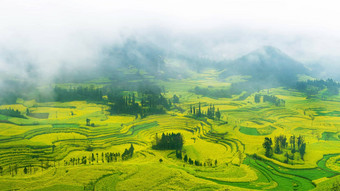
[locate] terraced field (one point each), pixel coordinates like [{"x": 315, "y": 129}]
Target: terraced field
[{"x": 43, "y": 151}]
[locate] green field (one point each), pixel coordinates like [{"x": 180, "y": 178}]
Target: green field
[{"x": 46, "y": 143}]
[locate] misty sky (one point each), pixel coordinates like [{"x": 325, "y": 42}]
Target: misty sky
[{"x": 53, "y": 34}]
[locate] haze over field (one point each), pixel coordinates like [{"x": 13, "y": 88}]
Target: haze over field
[{"x": 169, "y": 95}]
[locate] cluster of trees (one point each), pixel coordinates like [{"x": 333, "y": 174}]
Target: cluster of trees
[
  {"x": 313, "y": 87},
  {"x": 79, "y": 93},
  {"x": 301, "y": 145},
  {"x": 281, "y": 145},
  {"x": 11, "y": 112},
  {"x": 269, "y": 98},
  {"x": 248, "y": 87},
  {"x": 187, "y": 159},
  {"x": 211, "y": 113},
  {"x": 214, "y": 93},
  {"x": 128, "y": 153},
  {"x": 88, "y": 122},
  {"x": 149, "y": 104},
  {"x": 173, "y": 141},
  {"x": 154, "y": 103},
  {"x": 123, "y": 104}
]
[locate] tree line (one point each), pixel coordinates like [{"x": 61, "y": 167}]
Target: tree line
[
  {"x": 104, "y": 157},
  {"x": 313, "y": 87},
  {"x": 11, "y": 113},
  {"x": 107, "y": 157},
  {"x": 214, "y": 93},
  {"x": 186, "y": 159},
  {"x": 248, "y": 87},
  {"x": 78, "y": 93},
  {"x": 210, "y": 113},
  {"x": 269, "y": 98}
]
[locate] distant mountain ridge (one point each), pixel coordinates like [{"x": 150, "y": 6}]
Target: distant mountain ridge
[{"x": 266, "y": 65}]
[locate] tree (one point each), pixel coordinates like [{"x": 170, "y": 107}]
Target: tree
[
  {"x": 131, "y": 149},
  {"x": 88, "y": 122},
  {"x": 302, "y": 150},
  {"x": 287, "y": 158},
  {"x": 133, "y": 99},
  {"x": 179, "y": 154},
  {"x": 257, "y": 98},
  {"x": 190, "y": 161},
  {"x": 185, "y": 158},
  {"x": 268, "y": 146},
  {"x": 25, "y": 170},
  {"x": 199, "y": 109},
  {"x": 93, "y": 159},
  {"x": 218, "y": 114},
  {"x": 175, "y": 99},
  {"x": 128, "y": 153},
  {"x": 97, "y": 157},
  {"x": 125, "y": 154},
  {"x": 277, "y": 147},
  {"x": 292, "y": 143}
]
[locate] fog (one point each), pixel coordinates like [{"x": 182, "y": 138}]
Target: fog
[{"x": 39, "y": 39}]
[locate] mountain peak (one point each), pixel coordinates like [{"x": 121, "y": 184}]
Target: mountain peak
[
  {"x": 267, "y": 64},
  {"x": 268, "y": 50}
]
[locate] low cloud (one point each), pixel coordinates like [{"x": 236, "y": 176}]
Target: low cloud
[{"x": 40, "y": 39}]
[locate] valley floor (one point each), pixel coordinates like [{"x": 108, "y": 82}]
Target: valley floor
[{"x": 45, "y": 151}]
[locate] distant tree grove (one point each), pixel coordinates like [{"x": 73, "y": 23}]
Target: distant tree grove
[
  {"x": 269, "y": 98},
  {"x": 11, "y": 113},
  {"x": 173, "y": 141},
  {"x": 149, "y": 104},
  {"x": 313, "y": 87},
  {"x": 211, "y": 112}
]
